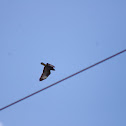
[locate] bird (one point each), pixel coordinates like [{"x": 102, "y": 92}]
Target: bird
[{"x": 46, "y": 71}]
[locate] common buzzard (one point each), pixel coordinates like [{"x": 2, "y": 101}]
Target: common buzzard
[{"x": 46, "y": 71}]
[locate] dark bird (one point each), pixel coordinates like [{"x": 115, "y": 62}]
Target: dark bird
[{"x": 46, "y": 71}]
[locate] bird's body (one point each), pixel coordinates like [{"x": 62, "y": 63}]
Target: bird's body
[{"x": 46, "y": 71}]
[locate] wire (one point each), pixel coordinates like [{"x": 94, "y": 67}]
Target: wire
[{"x": 62, "y": 80}]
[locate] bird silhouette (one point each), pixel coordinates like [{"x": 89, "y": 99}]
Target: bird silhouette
[{"x": 46, "y": 71}]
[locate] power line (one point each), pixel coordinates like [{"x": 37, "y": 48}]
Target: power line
[{"x": 62, "y": 80}]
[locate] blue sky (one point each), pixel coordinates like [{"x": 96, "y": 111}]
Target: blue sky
[{"x": 71, "y": 35}]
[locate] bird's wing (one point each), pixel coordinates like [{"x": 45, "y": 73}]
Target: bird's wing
[
  {"x": 42, "y": 63},
  {"x": 45, "y": 74}
]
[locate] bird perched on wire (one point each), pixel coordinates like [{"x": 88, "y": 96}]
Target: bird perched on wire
[{"x": 46, "y": 71}]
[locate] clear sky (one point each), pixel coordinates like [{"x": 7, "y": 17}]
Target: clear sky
[{"x": 71, "y": 35}]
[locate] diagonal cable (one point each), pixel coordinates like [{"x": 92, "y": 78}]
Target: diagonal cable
[{"x": 62, "y": 80}]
